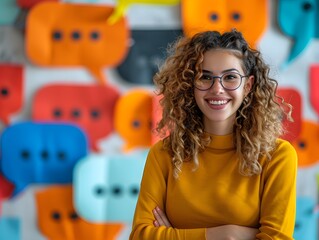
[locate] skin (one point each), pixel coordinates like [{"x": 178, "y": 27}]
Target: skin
[{"x": 219, "y": 120}]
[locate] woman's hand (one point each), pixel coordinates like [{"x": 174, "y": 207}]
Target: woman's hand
[
  {"x": 160, "y": 218},
  {"x": 234, "y": 232}
]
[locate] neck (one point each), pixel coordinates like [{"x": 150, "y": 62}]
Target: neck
[{"x": 219, "y": 127}]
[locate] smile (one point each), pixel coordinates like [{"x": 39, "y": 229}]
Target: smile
[{"x": 219, "y": 102}]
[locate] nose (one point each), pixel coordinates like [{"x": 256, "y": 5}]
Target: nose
[{"x": 217, "y": 87}]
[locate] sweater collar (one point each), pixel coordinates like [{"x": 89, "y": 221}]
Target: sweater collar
[{"x": 221, "y": 141}]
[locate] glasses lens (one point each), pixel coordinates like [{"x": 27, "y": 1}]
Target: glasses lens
[
  {"x": 231, "y": 80},
  {"x": 204, "y": 82}
]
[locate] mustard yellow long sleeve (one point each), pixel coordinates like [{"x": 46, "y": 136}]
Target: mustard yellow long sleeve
[{"x": 216, "y": 194}]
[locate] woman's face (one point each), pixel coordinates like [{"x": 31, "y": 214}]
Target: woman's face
[{"x": 218, "y": 105}]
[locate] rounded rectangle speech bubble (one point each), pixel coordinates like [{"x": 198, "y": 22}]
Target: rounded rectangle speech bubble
[
  {"x": 61, "y": 34},
  {"x": 42, "y": 153},
  {"x": 89, "y": 106},
  {"x": 223, "y": 15}
]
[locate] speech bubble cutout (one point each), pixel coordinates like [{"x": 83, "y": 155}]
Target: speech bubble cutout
[
  {"x": 57, "y": 218},
  {"x": 306, "y": 219},
  {"x": 43, "y": 153},
  {"x": 11, "y": 92},
  {"x": 307, "y": 143},
  {"x": 293, "y": 97},
  {"x": 89, "y": 106},
  {"x": 10, "y": 228},
  {"x": 109, "y": 183},
  {"x": 223, "y": 15},
  {"x": 314, "y": 87},
  {"x": 146, "y": 54},
  {"x": 298, "y": 20},
  {"x": 30, "y": 3},
  {"x": 133, "y": 118},
  {"x": 9, "y": 11},
  {"x": 123, "y": 5},
  {"x": 81, "y": 31}
]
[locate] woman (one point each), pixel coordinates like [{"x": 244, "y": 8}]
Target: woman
[{"x": 222, "y": 172}]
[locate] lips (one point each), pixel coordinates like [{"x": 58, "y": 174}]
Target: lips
[{"x": 218, "y": 102}]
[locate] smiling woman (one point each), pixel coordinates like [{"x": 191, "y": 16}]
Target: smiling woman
[{"x": 222, "y": 172}]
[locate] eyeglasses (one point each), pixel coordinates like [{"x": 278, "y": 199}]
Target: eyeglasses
[{"x": 230, "y": 81}]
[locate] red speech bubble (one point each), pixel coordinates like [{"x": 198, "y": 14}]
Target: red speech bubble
[
  {"x": 30, "y": 3},
  {"x": 314, "y": 87},
  {"x": 293, "y": 97},
  {"x": 89, "y": 106},
  {"x": 6, "y": 189},
  {"x": 10, "y": 90},
  {"x": 60, "y": 34},
  {"x": 57, "y": 218}
]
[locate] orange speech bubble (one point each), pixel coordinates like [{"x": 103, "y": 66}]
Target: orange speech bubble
[
  {"x": 133, "y": 118},
  {"x": 60, "y": 34},
  {"x": 58, "y": 220},
  {"x": 89, "y": 106},
  {"x": 223, "y": 15},
  {"x": 293, "y": 97},
  {"x": 10, "y": 90},
  {"x": 307, "y": 144}
]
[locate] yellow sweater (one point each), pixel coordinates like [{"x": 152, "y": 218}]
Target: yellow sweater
[{"x": 216, "y": 194}]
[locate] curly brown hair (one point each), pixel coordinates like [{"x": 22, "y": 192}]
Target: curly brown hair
[{"x": 258, "y": 120}]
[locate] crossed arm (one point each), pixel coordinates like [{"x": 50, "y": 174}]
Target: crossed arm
[{"x": 227, "y": 232}]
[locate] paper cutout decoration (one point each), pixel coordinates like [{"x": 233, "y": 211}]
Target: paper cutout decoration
[
  {"x": 123, "y": 5},
  {"x": 298, "y": 20},
  {"x": 147, "y": 52},
  {"x": 133, "y": 118},
  {"x": 109, "y": 183},
  {"x": 307, "y": 144},
  {"x": 306, "y": 219},
  {"x": 10, "y": 228},
  {"x": 314, "y": 87},
  {"x": 248, "y": 16},
  {"x": 293, "y": 97},
  {"x": 8, "y": 12},
  {"x": 57, "y": 218},
  {"x": 11, "y": 92},
  {"x": 89, "y": 106},
  {"x": 81, "y": 31},
  {"x": 30, "y": 3},
  {"x": 43, "y": 153},
  {"x": 6, "y": 190}
]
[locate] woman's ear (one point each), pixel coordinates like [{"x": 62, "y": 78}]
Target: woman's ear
[{"x": 249, "y": 84}]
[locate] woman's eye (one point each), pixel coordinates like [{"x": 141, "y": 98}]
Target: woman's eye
[
  {"x": 229, "y": 77},
  {"x": 206, "y": 77}
]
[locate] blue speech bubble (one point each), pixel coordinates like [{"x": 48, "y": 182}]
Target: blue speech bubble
[
  {"x": 10, "y": 228},
  {"x": 306, "y": 219},
  {"x": 43, "y": 153},
  {"x": 9, "y": 11},
  {"x": 106, "y": 187},
  {"x": 298, "y": 19}
]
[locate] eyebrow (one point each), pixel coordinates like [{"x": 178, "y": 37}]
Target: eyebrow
[{"x": 226, "y": 70}]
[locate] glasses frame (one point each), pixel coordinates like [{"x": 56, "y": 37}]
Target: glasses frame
[{"x": 221, "y": 82}]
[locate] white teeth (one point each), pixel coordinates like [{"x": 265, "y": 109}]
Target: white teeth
[{"x": 220, "y": 102}]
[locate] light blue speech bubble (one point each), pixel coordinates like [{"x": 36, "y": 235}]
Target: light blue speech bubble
[
  {"x": 306, "y": 219},
  {"x": 9, "y": 11},
  {"x": 10, "y": 228},
  {"x": 298, "y": 19},
  {"x": 43, "y": 153},
  {"x": 106, "y": 187}
]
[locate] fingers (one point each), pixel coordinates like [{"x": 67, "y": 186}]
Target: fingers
[{"x": 160, "y": 218}]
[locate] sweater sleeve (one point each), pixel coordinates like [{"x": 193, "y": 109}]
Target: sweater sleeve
[
  {"x": 152, "y": 194},
  {"x": 278, "y": 200}
]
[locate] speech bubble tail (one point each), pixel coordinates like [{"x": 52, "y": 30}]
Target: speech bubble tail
[
  {"x": 117, "y": 14},
  {"x": 98, "y": 74},
  {"x": 18, "y": 188},
  {"x": 5, "y": 119}
]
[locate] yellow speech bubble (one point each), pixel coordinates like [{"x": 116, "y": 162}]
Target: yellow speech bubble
[{"x": 123, "y": 5}]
